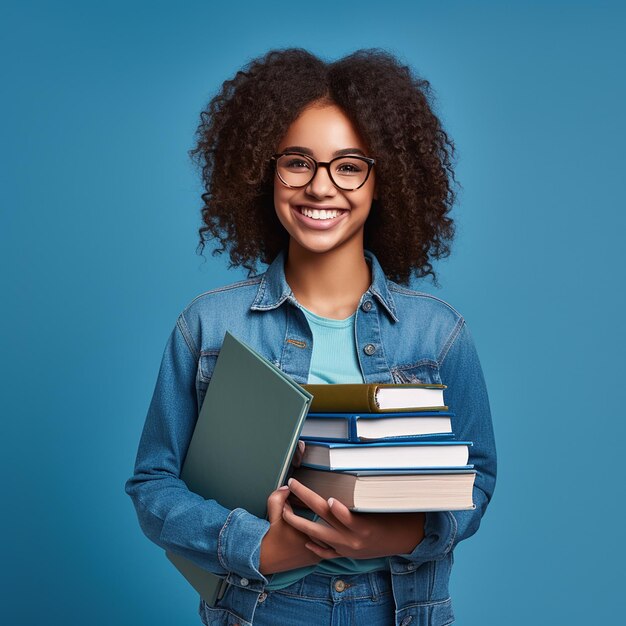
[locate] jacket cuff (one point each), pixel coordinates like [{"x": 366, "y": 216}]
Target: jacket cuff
[
  {"x": 439, "y": 532},
  {"x": 239, "y": 549}
]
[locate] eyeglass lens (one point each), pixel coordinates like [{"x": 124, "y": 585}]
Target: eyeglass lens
[{"x": 298, "y": 170}]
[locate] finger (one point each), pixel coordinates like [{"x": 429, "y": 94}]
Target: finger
[
  {"x": 315, "y": 531},
  {"x": 314, "y": 501},
  {"x": 296, "y": 502},
  {"x": 325, "y": 553},
  {"x": 342, "y": 513},
  {"x": 275, "y": 503},
  {"x": 318, "y": 520}
]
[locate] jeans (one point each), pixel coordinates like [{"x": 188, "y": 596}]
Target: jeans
[{"x": 322, "y": 600}]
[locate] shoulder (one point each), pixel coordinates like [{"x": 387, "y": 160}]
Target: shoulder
[
  {"x": 243, "y": 290},
  {"x": 408, "y": 300},
  {"x": 206, "y": 318},
  {"x": 432, "y": 321}
]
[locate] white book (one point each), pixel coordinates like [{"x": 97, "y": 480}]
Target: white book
[{"x": 387, "y": 455}]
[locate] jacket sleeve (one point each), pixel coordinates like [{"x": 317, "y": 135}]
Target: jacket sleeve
[
  {"x": 215, "y": 538},
  {"x": 466, "y": 395}
]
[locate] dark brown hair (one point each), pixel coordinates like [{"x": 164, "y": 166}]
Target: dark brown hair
[{"x": 391, "y": 109}]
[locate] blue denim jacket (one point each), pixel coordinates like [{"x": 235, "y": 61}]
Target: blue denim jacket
[{"x": 402, "y": 336}]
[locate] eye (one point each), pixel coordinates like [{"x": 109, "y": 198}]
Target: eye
[
  {"x": 296, "y": 163},
  {"x": 349, "y": 167}
]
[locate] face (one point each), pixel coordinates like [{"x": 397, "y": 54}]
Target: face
[{"x": 322, "y": 131}]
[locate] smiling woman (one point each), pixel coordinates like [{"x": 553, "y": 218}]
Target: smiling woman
[
  {"x": 338, "y": 175},
  {"x": 317, "y": 214}
]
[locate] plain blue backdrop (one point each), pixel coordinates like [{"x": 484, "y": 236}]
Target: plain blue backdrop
[{"x": 100, "y": 210}]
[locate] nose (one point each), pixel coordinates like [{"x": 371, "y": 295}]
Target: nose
[{"x": 321, "y": 184}]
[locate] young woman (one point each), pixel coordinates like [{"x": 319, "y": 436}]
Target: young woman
[{"x": 338, "y": 175}]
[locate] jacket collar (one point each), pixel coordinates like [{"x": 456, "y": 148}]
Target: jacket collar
[{"x": 274, "y": 290}]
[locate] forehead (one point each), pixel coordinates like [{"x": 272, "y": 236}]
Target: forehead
[{"x": 323, "y": 130}]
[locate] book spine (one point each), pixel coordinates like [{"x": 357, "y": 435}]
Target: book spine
[
  {"x": 372, "y": 399},
  {"x": 352, "y": 434}
]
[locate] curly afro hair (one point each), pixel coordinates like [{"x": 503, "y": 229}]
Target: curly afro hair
[{"x": 391, "y": 109}]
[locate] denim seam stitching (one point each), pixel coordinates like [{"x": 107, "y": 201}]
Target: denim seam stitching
[
  {"x": 456, "y": 331},
  {"x": 421, "y": 294},
  {"x": 184, "y": 330},
  {"x": 220, "y": 540},
  {"x": 234, "y": 615},
  {"x": 388, "y": 306},
  {"x": 242, "y": 283},
  {"x": 269, "y": 307},
  {"x": 429, "y": 603},
  {"x": 329, "y": 600},
  {"x": 427, "y": 362},
  {"x": 202, "y": 376},
  {"x": 453, "y": 534}
]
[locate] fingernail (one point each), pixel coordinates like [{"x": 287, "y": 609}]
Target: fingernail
[
  {"x": 289, "y": 482},
  {"x": 283, "y": 488},
  {"x": 301, "y": 445},
  {"x": 331, "y": 501}
]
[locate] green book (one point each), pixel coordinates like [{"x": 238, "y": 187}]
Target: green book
[
  {"x": 376, "y": 397},
  {"x": 243, "y": 442}
]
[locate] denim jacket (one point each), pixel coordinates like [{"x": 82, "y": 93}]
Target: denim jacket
[{"x": 402, "y": 336}]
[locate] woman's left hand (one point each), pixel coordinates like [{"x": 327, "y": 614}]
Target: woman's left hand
[{"x": 340, "y": 532}]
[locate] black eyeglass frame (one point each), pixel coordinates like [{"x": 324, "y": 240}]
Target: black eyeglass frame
[{"x": 369, "y": 160}]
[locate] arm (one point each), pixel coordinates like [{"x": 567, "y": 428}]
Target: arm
[
  {"x": 466, "y": 396},
  {"x": 213, "y": 537}
]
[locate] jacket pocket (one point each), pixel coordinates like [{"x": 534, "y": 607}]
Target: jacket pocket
[{"x": 425, "y": 372}]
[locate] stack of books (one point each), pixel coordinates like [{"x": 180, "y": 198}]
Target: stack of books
[{"x": 385, "y": 448}]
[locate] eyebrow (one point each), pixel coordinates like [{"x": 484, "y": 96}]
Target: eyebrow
[{"x": 308, "y": 151}]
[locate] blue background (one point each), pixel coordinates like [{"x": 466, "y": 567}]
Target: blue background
[{"x": 100, "y": 208}]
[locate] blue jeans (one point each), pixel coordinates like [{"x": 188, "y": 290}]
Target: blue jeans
[{"x": 321, "y": 600}]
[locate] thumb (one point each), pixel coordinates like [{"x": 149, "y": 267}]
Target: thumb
[{"x": 276, "y": 502}]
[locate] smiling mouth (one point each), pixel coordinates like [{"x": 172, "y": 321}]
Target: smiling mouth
[{"x": 320, "y": 214}]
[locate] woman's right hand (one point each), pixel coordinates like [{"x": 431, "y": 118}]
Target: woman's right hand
[{"x": 283, "y": 547}]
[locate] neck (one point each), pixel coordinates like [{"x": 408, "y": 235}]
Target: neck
[{"x": 331, "y": 283}]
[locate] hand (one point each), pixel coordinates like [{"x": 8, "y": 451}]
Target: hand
[
  {"x": 283, "y": 547},
  {"x": 354, "y": 535},
  {"x": 296, "y": 461}
]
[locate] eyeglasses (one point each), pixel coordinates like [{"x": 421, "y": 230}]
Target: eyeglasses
[{"x": 298, "y": 170}]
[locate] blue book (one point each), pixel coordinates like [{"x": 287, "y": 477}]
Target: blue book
[
  {"x": 360, "y": 427},
  {"x": 409, "y": 455}
]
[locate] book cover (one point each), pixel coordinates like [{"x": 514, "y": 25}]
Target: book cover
[
  {"x": 243, "y": 442},
  {"x": 356, "y": 427}
]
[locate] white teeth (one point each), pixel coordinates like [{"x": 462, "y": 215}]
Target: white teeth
[{"x": 319, "y": 214}]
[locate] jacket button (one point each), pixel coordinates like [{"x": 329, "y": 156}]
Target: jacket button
[
  {"x": 262, "y": 597},
  {"x": 244, "y": 582},
  {"x": 411, "y": 567},
  {"x": 369, "y": 349},
  {"x": 340, "y": 586},
  {"x": 407, "y": 620},
  {"x": 367, "y": 305}
]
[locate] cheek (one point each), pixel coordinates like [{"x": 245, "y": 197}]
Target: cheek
[{"x": 281, "y": 207}]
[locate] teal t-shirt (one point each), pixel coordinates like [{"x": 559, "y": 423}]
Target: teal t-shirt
[{"x": 334, "y": 360}]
